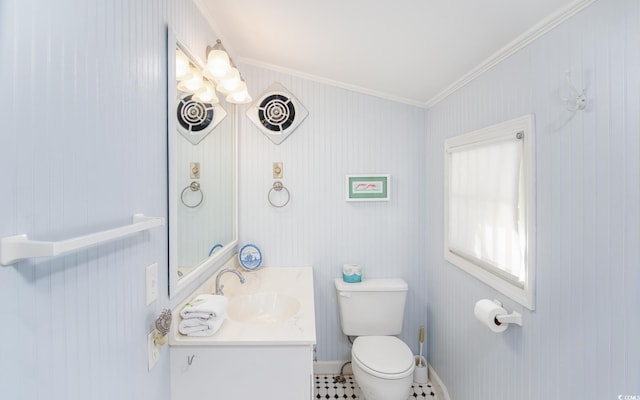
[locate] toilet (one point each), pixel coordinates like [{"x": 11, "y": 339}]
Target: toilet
[{"x": 373, "y": 310}]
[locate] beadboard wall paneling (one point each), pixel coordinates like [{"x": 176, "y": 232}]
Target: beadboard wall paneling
[
  {"x": 83, "y": 142},
  {"x": 581, "y": 341},
  {"x": 345, "y": 133}
]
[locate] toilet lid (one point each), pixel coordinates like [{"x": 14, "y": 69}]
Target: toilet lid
[{"x": 383, "y": 354}]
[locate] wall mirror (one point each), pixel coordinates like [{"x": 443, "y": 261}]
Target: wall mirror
[{"x": 202, "y": 172}]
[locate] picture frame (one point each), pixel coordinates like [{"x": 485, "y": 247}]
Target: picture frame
[{"x": 367, "y": 187}]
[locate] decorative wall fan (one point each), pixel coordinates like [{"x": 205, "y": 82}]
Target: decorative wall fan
[
  {"x": 196, "y": 120},
  {"x": 277, "y": 113}
]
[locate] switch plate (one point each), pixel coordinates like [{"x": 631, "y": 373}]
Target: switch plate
[
  {"x": 277, "y": 170},
  {"x": 152, "y": 283},
  {"x": 153, "y": 351},
  {"x": 194, "y": 169}
]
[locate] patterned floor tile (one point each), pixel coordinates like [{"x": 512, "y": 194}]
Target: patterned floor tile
[{"x": 326, "y": 388}]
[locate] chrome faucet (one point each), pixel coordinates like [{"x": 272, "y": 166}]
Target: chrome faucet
[{"x": 220, "y": 286}]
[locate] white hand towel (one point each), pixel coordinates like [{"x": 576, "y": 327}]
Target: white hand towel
[
  {"x": 200, "y": 326},
  {"x": 205, "y": 306}
]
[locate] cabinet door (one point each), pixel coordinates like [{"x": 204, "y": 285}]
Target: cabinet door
[{"x": 242, "y": 372}]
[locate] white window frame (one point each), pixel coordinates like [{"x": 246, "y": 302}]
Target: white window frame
[{"x": 521, "y": 293}]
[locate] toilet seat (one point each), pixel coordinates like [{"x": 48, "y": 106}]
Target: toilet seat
[{"x": 384, "y": 357}]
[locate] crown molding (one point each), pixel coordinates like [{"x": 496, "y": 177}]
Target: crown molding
[{"x": 514, "y": 46}]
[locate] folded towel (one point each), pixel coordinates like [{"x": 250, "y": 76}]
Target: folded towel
[
  {"x": 200, "y": 326},
  {"x": 205, "y": 306}
]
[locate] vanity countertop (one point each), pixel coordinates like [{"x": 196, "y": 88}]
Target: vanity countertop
[{"x": 300, "y": 329}]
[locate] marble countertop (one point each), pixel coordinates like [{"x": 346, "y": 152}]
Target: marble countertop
[{"x": 300, "y": 329}]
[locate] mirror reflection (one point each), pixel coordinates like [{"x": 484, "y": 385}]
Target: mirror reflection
[{"x": 202, "y": 171}]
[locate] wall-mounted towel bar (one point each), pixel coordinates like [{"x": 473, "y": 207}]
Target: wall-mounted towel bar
[{"x": 19, "y": 247}]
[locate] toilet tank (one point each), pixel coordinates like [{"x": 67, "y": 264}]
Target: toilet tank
[{"x": 371, "y": 307}]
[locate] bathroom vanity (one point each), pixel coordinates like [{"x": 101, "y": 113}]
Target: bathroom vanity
[{"x": 264, "y": 349}]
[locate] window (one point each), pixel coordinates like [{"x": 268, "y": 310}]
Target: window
[{"x": 489, "y": 206}]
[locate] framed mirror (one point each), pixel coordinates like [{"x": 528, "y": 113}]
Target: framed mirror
[{"x": 202, "y": 173}]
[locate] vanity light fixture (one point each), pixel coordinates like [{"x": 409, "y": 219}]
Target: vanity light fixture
[
  {"x": 223, "y": 71},
  {"x": 220, "y": 74}
]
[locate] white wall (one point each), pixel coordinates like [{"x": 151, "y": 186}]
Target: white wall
[
  {"x": 345, "y": 132},
  {"x": 582, "y": 340},
  {"x": 82, "y": 148}
]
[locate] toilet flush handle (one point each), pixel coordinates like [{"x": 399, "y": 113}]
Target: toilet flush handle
[{"x": 345, "y": 295}]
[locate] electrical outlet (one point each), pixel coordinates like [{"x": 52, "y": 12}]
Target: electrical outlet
[
  {"x": 152, "y": 283},
  {"x": 153, "y": 351}
]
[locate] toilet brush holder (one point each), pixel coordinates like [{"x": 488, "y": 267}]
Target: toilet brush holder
[{"x": 421, "y": 372}]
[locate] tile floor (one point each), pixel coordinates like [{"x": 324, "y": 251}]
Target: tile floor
[{"x": 326, "y": 388}]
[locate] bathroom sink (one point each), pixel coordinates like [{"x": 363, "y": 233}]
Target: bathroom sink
[{"x": 262, "y": 308}]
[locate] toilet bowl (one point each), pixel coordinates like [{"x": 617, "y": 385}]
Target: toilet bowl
[{"x": 383, "y": 367}]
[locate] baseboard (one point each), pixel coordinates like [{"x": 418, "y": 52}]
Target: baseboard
[
  {"x": 438, "y": 386},
  {"x": 330, "y": 367}
]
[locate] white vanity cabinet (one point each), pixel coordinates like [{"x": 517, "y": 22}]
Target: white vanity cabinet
[
  {"x": 251, "y": 357},
  {"x": 242, "y": 372}
]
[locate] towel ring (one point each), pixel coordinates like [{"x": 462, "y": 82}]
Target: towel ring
[
  {"x": 277, "y": 187},
  {"x": 194, "y": 187}
]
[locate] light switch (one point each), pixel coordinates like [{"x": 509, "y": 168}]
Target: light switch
[
  {"x": 195, "y": 170},
  {"x": 152, "y": 283},
  {"x": 277, "y": 170}
]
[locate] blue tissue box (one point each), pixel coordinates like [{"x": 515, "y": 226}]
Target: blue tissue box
[{"x": 354, "y": 278}]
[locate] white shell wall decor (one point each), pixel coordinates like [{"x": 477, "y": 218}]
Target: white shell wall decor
[
  {"x": 277, "y": 113},
  {"x": 195, "y": 119}
]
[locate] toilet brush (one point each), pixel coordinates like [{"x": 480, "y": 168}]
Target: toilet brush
[
  {"x": 420, "y": 372},
  {"x": 421, "y": 339}
]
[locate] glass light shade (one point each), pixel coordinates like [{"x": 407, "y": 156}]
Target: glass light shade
[
  {"x": 206, "y": 94},
  {"x": 239, "y": 96},
  {"x": 183, "y": 68},
  {"x": 218, "y": 63},
  {"x": 192, "y": 83},
  {"x": 231, "y": 80}
]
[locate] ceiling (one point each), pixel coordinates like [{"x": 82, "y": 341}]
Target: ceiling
[{"x": 412, "y": 51}]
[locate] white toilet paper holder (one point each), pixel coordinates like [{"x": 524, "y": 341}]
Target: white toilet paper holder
[{"x": 513, "y": 318}]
